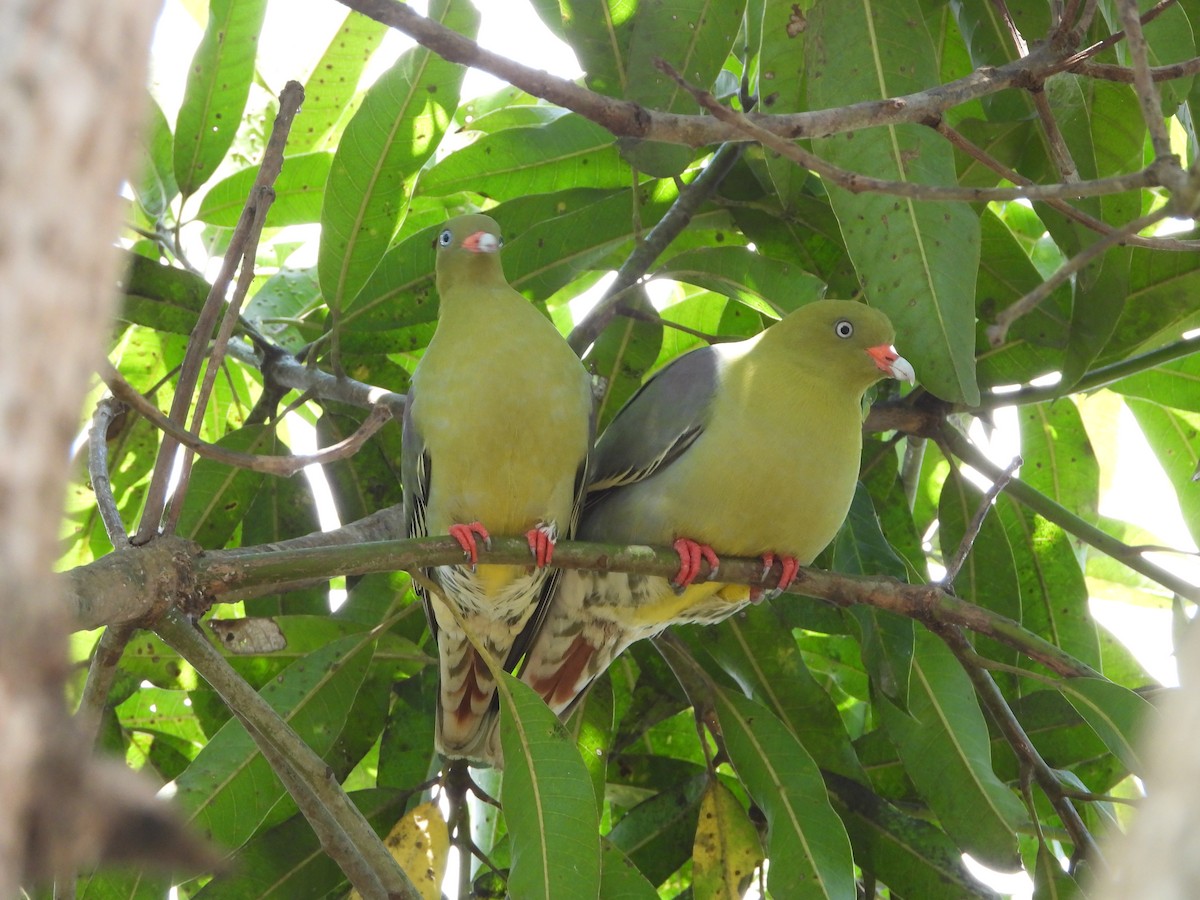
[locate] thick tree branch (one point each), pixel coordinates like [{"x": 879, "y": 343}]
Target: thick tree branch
[
  {"x": 212, "y": 576},
  {"x": 345, "y": 834},
  {"x": 625, "y": 119}
]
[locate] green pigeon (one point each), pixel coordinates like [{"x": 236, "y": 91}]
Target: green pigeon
[
  {"x": 745, "y": 449},
  {"x": 497, "y": 430}
]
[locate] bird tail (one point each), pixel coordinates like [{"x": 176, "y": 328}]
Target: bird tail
[{"x": 466, "y": 705}]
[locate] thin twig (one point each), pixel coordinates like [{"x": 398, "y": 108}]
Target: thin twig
[
  {"x": 1147, "y": 93},
  {"x": 997, "y": 332},
  {"x": 1070, "y": 63},
  {"x": 1060, "y": 153},
  {"x": 689, "y": 201},
  {"x": 283, "y": 466},
  {"x": 858, "y": 183},
  {"x": 1067, "y": 520},
  {"x": 106, "y": 411},
  {"x": 989, "y": 694},
  {"x": 977, "y": 153},
  {"x": 976, "y": 523},
  {"x": 189, "y": 373}
]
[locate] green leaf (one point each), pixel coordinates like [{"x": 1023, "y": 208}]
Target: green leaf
[
  {"x": 758, "y": 650},
  {"x": 217, "y": 87},
  {"x": 287, "y": 862},
  {"x": 298, "y": 191},
  {"x": 1035, "y": 342},
  {"x": 1174, "y": 436},
  {"x": 1050, "y": 881},
  {"x": 1054, "y": 596},
  {"x": 1175, "y": 384},
  {"x": 329, "y": 91},
  {"x": 693, "y": 36},
  {"x": 943, "y": 742},
  {"x": 657, "y": 833},
  {"x": 161, "y": 297},
  {"x": 406, "y": 747},
  {"x": 768, "y": 285},
  {"x": 886, "y": 638},
  {"x": 218, "y": 494},
  {"x": 1058, "y": 457},
  {"x": 911, "y": 856},
  {"x": 620, "y": 878},
  {"x": 780, "y": 82},
  {"x": 548, "y": 801},
  {"x": 807, "y": 843},
  {"x": 278, "y": 308},
  {"x": 367, "y": 481},
  {"x": 1117, "y": 715},
  {"x": 566, "y": 152},
  {"x": 621, "y": 356},
  {"x": 229, "y": 789},
  {"x": 988, "y": 576},
  {"x": 156, "y": 187},
  {"x": 599, "y": 35},
  {"x": 397, "y": 128},
  {"x": 1161, "y": 303},
  {"x": 916, "y": 261}
]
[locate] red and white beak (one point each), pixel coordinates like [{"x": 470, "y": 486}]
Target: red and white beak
[
  {"x": 481, "y": 242},
  {"x": 892, "y": 364}
]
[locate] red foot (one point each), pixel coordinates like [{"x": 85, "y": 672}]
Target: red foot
[
  {"x": 541, "y": 544},
  {"x": 465, "y": 535},
  {"x": 789, "y": 566},
  {"x": 690, "y": 553}
]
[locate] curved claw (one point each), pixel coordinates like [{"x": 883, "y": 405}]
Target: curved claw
[
  {"x": 690, "y": 553},
  {"x": 789, "y": 567},
  {"x": 541, "y": 540},
  {"x": 465, "y": 535}
]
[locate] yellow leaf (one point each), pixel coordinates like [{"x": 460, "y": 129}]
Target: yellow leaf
[
  {"x": 727, "y": 848},
  {"x": 420, "y": 843}
]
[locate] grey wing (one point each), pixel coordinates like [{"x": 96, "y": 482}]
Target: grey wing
[
  {"x": 659, "y": 422},
  {"x": 415, "y": 474}
]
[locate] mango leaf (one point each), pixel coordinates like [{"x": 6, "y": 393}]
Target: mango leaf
[
  {"x": 287, "y": 862},
  {"x": 657, "y": 834},
  {"x": 911, "y": 856},
  {"x": 161, "y": 297},
  {"x": 1058, "y": 457},
  {"x": 599, "y": 35},
  {"x": 1050, "y": 880},
  {"x": 780, "y": 86},
  {"x": 621, "y": 356},
  {"x": 278, "y": 308},
  {"x": 943, "y": 742},
  {"x": 886, "y": 638},
  {"x": 1117, "y": 715},
  {"x": 1161, "y": 303},
  {"x": 329, "y": 90},
  {"x": 1175, "y": 384},
  {"x": 298, "y": 192},
  {"x": 988, "y": 576},
  {"x": 396, "y": 129},
  {"x": 695, "y": 37},
  {"x": 758, "y": 650},
  {"x": 567, "y": 152},
  {"x": 155, "y": 188},
  {"x": 1174, "y": 436},
  {"x": 620, "y": 878},
  {"x": 219, "y": 494},
  {"x": 1035, "y": 342},
  {"x": 217, "y": 87},
  {"x": 1054, "y": 597},
  {"x": 768, "y": 285},
  {"x": 807, "y": 843},
  {"x": 548, "y": 801},
  {"x": 916, "y": 261},
  {"x": 727, "y": 849}
]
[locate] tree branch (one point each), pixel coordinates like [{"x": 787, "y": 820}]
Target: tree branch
[{"x": 345, "y": 834}]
